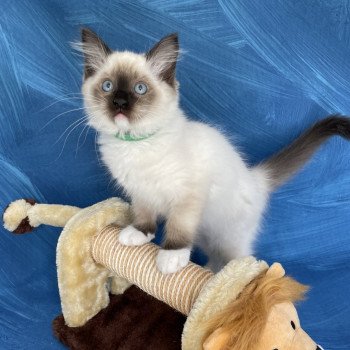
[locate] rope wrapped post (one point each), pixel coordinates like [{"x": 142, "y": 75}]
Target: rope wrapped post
[{"x": 138, "y": 265}]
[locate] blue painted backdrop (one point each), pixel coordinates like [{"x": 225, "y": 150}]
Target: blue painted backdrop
[{"x": 261, "y": 70}]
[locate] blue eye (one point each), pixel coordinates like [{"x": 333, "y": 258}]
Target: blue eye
[
  {"x": 140, "y": 88},
  {"x": 107, "y": 86}
]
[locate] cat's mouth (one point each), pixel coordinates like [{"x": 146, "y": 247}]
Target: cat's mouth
[
  {"x": 122, "y": 121},
  {"x": 120, "y": 115}
]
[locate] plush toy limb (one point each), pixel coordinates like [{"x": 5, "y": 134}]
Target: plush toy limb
[
  {"x": 118, "y": 285},
  {"x": 83, "y": 283},
  {"x": 23, "y": 215}
]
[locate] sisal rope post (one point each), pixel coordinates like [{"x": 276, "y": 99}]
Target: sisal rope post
[{"x": 138, "y": 265}]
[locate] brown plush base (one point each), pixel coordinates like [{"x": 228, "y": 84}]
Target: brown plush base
[{"x": 132, "y": 321}]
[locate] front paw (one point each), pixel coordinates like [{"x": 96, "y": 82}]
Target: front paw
[
  {"x": 170, "y": 261},
  {"x": 132, "y": 237}
]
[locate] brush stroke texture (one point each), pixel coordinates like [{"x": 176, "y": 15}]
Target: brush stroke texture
[{"x": 262, "y": 71}]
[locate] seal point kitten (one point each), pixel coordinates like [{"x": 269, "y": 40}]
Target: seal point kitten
[{"x": 184, "y": 171}]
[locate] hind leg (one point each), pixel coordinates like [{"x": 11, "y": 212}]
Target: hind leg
[
  {"x": 229, "y": 226},
  {"x": 221, "y": 249},
  {"x": 218, "y": 258}
]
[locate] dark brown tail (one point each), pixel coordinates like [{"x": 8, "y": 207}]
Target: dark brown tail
[{"x": 289, "y": 160}]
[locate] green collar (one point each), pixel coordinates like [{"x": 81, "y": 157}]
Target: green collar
[{"x": 128, "y": 137}]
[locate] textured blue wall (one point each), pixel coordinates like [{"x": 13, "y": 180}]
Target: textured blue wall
[{"x": 261, "y": 70}]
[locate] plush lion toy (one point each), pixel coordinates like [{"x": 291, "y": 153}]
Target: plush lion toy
[
  {"x": 246, "y": 306},
  {"x": 263, "y": 317}
]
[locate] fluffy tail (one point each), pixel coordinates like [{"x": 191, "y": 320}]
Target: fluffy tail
[{"x": 289, "y": 160}]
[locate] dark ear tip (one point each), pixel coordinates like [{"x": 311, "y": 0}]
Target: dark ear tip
[
  {"x": 174, "y": 37},
  {"x": 86, "y": 32},
  {"x": 171, "y": 39}
]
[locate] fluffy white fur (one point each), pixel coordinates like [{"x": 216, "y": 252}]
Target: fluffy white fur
[
  {"x": 186, "y": 157},
  {"x": 182, "y": 160}
]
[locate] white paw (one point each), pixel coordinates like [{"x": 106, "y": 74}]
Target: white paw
[
  {"x": 131, "y": 236},
  {"x": 170, "y": 261}
]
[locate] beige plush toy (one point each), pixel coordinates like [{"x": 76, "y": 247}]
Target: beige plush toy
[{"x": 246, "y": 306}]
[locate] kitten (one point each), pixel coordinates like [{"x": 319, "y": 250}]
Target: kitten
[{"x": 184, "y": 171}]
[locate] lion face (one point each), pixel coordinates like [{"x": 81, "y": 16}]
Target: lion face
[
  {"x": 282, "y": 332},
  {"x": 263, "y": 317}
]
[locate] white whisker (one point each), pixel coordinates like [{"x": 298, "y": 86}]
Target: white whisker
[
  {"x": 65, "y": 141},
  {"x": 64, "y": 113}
]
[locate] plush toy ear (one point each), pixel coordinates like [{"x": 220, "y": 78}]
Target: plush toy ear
[
  {"x": 217, "y": 340},
  {"x": 95, "y": 51},
  {"x": 275, "y": 271}
]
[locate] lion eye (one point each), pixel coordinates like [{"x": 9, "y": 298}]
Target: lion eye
[{"x": 292, "y": 324}]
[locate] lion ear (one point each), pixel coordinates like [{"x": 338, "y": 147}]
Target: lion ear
[
  {"x": 216, "y": 340},
  {"x": 275, "y": 271}
]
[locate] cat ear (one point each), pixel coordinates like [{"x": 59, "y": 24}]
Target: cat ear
[
  {"x": 163, "y": 56},
  {"x": 95, "y": 51}
]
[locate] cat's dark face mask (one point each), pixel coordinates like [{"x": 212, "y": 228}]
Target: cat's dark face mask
[{"x": 127, "y": 88}]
